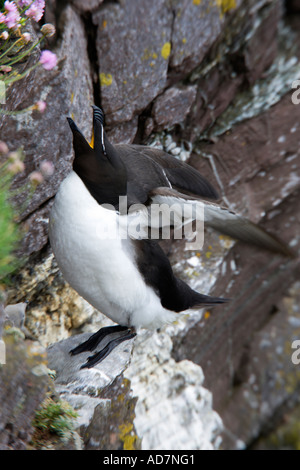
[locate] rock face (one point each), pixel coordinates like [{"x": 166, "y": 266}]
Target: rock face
[
  {"x": 68, "y": 92},
  {"x": 137, "y": 397},
  {"x": 205, "y": 80},
  {"x": 24, "y": 382}
]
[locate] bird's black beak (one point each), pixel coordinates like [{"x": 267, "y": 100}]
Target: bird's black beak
[
  {"x": 72, "y": 124},
  {"x": 79, "y": 141}
]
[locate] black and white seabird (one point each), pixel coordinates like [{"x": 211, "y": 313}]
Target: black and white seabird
[{"x": 130, "y": 280}]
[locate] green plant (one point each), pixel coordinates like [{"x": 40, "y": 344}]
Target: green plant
[
  {"x": 9, "y": 230},
  {"x": 54, "y": 418}
]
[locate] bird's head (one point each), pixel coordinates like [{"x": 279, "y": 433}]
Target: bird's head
[{"x": 98, "y": 164}]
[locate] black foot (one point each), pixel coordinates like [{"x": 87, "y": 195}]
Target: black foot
[
  {"x": 96, "y": 338},
  {"x": 99, "y": 356}
]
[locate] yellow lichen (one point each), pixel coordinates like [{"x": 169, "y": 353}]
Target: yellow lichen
[
  {"x": 127, "y": 436},
  {"x": 225, "y": 6},
  {"x": 147, "y": 55},
  {"x": 166, "y": 50},
  {"x": 105, "y": 79},
  {"x": 197, "y": 2}
]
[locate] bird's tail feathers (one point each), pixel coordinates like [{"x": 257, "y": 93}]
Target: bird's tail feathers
[
  {"x": 240, "y": 228},
  {"x": 202, "y": 300},
  {"x": 221, "y": 219}
]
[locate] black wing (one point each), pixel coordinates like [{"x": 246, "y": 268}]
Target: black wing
[
  {"x": 181, "y": 175},
  {"x": 149, "y": 168},
  {"x": 157, "y": 272}
]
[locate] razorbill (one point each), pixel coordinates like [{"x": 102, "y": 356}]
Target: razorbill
[{"x": 129, "y": 279}]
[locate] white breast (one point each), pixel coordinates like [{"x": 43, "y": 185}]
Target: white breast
[{"x": 96, "y": 258}]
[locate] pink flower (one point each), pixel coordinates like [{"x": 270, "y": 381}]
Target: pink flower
[
  {"x": 10, "y": 6},
  {"x": 48, "y": 60},
  {"x": 16, "y": 167},
  {"x": 3, "y": 147},
  {"x": 47, "y": 168},
  {"x": 48, "y": 30},
  {"x": 2, "y": 18},
  {"x": 41, "y": 106},
  {"x": 4, "y": 35},
  {"x": 36, "y": 177},
  {"x": 5, "y": 68},
  {"x": 14, "y": 156},
  {"x": 12, "y": 15},
  {"x": 26, "y": 37},
  {"x": 36, "y": 10}
]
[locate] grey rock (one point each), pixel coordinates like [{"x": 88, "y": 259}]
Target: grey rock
[
  {"x": 163, "y": 395},
  {"x": 15, "y": 314},
  {"x": 87, "y": 5},
  {"x": 54, "y": 307},
  {"x": 174, "y": 411},
  {"x": 197, "y": 25},
  {"x": 134, "y": 57},
  {"x": 21, "y": 392},
  {"x": 100, "y": 395},
  {"x": 86, "y": 381},
  {"x": 125, "y": 132}
]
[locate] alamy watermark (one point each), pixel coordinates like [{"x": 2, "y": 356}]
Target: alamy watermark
[
  {"x": 296, "y": 93},
  {"x": 155, "y": 222},
  {"x": 296, "y": 354},
  {"x": 2, "y": 352}
]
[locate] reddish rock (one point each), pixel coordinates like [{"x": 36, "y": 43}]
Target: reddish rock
[
  {"x": 258, "y": 163},
  {"x": 173, "y": 106},
  {"x": 214, "y": 93},
  {"x": 268, "y": 143},
  {"x": 257, "y": 58}
]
